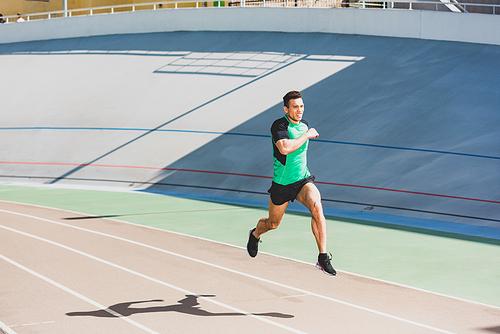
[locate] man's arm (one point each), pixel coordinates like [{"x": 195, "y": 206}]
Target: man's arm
[{"x": 287, "y": 146}]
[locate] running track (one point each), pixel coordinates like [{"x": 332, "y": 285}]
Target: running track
[{"x": 109, "y": 276}]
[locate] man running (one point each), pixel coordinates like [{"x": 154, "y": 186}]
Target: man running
[{"x": 292, "y": 180}]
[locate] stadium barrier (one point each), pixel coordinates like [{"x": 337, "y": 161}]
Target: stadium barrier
[{"x": 404, "y": 19}]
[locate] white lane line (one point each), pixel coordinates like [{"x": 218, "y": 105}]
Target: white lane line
[
  {"x": 76, "y": 294},
  {"x": 6, "y": 328},
  {"x": 187, "y": 292},
  {"x": 33, "y": 324},
  {"x": 296, "y": 296},
  {"x": 302, "y": 291}
]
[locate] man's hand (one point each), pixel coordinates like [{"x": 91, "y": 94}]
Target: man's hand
[{"x": 312, "y": 133}]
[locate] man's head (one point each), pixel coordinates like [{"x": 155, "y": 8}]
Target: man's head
[
  {"x": 293, "y": 106},
  {"x": 292, "y": 95}
]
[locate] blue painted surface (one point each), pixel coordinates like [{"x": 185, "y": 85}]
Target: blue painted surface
[{"x": 413, "y": 115}]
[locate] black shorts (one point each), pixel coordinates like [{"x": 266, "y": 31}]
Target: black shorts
[{"x": 281, "y": 194}]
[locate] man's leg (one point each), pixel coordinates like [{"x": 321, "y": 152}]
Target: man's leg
[
  {"x": 310, "y": 196},
  {"x": 276, "y": 213}
]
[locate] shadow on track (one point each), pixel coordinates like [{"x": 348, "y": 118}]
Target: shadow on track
[{"x": 188, "y": 305}]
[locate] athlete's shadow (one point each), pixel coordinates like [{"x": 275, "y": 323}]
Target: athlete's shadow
[{"x": 188, "y": 305}]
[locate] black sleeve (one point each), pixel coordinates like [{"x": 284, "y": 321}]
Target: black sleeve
[{"x": 279, "y": 130}]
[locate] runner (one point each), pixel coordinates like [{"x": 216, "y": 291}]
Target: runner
[{"x": 292, "y": 180}]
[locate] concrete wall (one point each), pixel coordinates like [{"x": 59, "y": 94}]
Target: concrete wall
[{"x": 473, "y": 28}]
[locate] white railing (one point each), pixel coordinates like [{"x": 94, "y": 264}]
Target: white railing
[{"x": 453, "y": 6}]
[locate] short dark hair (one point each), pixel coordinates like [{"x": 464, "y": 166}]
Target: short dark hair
[{"x": 291, "y": 96}]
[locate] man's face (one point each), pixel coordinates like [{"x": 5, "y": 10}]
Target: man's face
[{"x": 294, "y": 110}]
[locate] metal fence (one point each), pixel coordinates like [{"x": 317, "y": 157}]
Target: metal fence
[{"x": 449, "y": 6}]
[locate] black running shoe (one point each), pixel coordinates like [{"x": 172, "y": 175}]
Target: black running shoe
[
  {"x": 325, "y": 265},
  {"x": 253, "y": 244}
]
